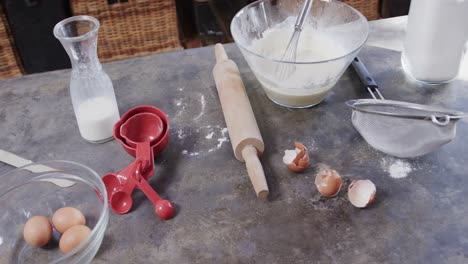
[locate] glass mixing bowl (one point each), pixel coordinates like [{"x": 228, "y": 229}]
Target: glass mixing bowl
[
  {"x": 30, "y": 191},
  {"x": 333, "y": 35}
]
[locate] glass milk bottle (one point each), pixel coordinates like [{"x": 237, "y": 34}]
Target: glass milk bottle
[
  {"x": 91, "y": 89},
  {"x": 436, "y": 34}
]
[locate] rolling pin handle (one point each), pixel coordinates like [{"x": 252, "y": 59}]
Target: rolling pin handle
[
  {"x": 255, "y": 171},
  {"x": 220, "y": 53}
]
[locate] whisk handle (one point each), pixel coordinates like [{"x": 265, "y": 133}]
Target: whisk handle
[
  {"x": 364, "y": 75},
  {"x": 303, "y": 14}
]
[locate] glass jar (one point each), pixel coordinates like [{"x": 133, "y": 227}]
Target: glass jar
[
  {"x": 91, "y": 89},
  {"x": 436, "y": 34}
]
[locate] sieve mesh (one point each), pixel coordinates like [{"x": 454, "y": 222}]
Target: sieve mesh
[
  {"x": 399, "y": 128},
  {"x": 401, "y": 137}
]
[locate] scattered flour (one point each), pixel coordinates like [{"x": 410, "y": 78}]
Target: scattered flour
[
  {"x": 221, "y": 140},
  {"x": 203, "y": 106},
  {"x": 400, "y": 169},
  {"x": 210, "y": 135},
  {"x": 26, "y": 213},
  {"x": 191, "y": 154},
  {"x": 396, "y": 168},
  {"x": 181, "y": 134},
  {"x": 213, "y": 132},
  {"x": 311, "y": 145},
  {"x": 181, "y": 106}
]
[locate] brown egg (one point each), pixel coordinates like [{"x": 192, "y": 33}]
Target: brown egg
[
  {"x": 67, "y": 217},
  {"x": 37, "y": 231},
  {"x": 73, "y": 237},
  {"x": 328, "y": 182}
]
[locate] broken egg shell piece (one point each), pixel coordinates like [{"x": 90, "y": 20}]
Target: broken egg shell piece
[
  {"x": 290, "y": 155},
  {"x": 298, "y": 159},
  {"x": 328, "y": 182},
  {"x": 361, "y": 193}
]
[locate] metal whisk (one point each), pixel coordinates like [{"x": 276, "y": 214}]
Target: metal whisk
[{"x": 286, "y": 69}]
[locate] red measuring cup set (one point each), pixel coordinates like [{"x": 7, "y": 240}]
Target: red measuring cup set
[{"x": 144, "y": 133}]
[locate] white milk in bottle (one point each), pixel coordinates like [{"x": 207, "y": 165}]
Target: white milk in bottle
[{"x": 436, "y": 34}]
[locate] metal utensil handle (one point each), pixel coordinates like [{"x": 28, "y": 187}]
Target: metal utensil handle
[
  {"x": 303, "y": 14},
  {"x": 364, "y": 75},
  {"x": 17, "y": 161}
]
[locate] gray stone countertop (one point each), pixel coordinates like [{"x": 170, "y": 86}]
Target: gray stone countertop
[{"x": 421, "y": 218}]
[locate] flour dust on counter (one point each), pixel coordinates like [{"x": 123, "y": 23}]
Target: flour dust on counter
[
  {"x": 181, "y": 104},
  {"x": 202, "y": 106},
  {"x": 181, "y": 107},
  {"x": 181, "y": 134},
  {"x": 207, "y": 139},
  {"x": 396, "y": 168},
  {"x": 186, "y": 152},
  {"x": 210, "y": 135},
  {"x": 221, "y": 140}
]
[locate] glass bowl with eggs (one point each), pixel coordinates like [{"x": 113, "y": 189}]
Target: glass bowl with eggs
[
  {"x": 53, "y": 212},
  {"x": 332, "y": 35}
]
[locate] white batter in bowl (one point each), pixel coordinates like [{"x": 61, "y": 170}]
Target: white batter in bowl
[{"x": 332, "y": 36}]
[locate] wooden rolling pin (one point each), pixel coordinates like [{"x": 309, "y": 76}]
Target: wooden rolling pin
[{"x": 246, "y": 140}]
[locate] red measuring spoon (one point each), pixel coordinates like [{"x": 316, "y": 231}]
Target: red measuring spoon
[
  {"x": 163, "y": 208},
  {"x": 142, "y": 129},
  {"x": 120, "y": 187}
]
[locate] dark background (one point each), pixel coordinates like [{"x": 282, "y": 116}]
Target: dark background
[{"x": 201, "y": 23}]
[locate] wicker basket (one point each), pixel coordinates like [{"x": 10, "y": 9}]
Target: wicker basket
[
  {"x": 133, "y": 28},
  {"x": 9, "y": 62},
  {"x": 369, "y": 8}
]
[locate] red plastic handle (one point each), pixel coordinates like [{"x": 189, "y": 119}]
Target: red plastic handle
[
  {"x": 144, "y": 153},
  {"x": 148, "y": 190}
]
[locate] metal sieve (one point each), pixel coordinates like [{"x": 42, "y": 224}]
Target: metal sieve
[{"x": 399, "y": 128}]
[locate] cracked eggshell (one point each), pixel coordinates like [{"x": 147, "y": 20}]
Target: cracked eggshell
[
  {"x": 328, "y": 182},
  {"x": 361, "y": 193},
  {"x": 298, "y": 159}
]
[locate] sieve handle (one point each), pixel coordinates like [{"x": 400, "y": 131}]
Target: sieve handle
[{"x": 364, "y": 75}]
